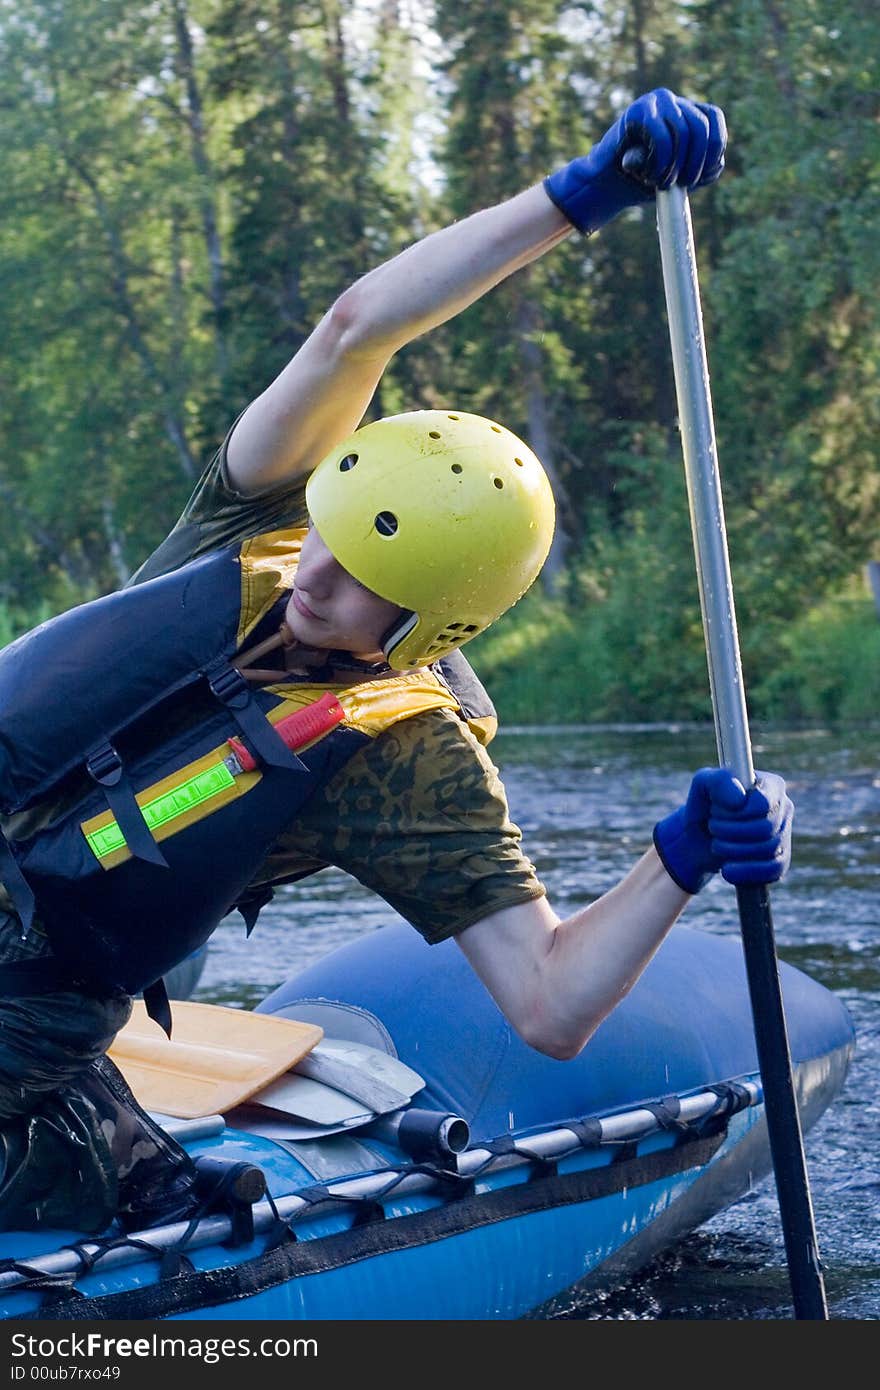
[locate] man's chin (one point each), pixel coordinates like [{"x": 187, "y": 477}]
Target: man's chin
[
  {"x": 304, "y": 635},
  {"x": 307, "y": 631}
]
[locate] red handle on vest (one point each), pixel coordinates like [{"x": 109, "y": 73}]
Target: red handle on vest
[{"x": 297, "y": 729}]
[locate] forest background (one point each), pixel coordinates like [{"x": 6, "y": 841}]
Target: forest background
[{"x": 186, "y": 185}]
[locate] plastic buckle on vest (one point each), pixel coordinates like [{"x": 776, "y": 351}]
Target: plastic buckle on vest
[
  {"x": 104, "y": 765},
  {"x": 229, "y": 686}
]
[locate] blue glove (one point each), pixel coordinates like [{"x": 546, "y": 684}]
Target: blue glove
[
  {"x": 679, "y": 141},
  {"x": 747, "y": 836}
]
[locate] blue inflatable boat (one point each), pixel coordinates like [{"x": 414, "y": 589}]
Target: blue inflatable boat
[{"x": 504, "y": 1185}]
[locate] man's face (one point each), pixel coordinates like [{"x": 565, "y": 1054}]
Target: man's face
[{"x": 330, "y": 608}]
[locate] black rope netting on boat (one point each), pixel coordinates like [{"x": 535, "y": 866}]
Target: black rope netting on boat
[{"x": 465, "y": 1205}]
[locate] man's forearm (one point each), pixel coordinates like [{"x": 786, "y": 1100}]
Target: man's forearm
[
  {"x": 598, "y": 953},
  {"x": 436, "y": 278},
  {"x": 557, "y": 980},
  {"x": 321, "y": 395}
]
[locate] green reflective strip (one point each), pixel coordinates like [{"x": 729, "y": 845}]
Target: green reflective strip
[{"x": 167, "y": 807}]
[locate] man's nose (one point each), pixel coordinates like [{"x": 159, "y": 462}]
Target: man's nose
[{"x": 318, "y": 570}]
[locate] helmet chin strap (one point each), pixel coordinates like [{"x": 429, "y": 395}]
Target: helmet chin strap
[{"x": 400, "y": 628}]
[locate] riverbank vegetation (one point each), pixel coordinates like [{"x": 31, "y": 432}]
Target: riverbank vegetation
[
  {"x": 624, "y": 656},
  {"x": 186, "y": 185}
]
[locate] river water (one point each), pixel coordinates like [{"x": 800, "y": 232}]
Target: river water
[{"x": 585, "y": 800}]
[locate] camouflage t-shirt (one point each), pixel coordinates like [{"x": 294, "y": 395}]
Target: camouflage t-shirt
[{"x": 419, "y": 815}]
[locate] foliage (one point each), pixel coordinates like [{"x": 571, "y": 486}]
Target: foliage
[
  {"x": 796, "y": 317},
  {"x": 826, "y": 664},
  {"x": 613, "y": 650}
]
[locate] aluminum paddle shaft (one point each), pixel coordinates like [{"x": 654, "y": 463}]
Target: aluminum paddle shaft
[{"x": 732, "y": 737}]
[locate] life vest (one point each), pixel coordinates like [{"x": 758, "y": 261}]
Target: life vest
[{"x": 144, "y": 779}]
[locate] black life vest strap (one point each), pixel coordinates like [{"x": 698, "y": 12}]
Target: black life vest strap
[
  {"x": 251, "y": 904},
  {"x": 16, "y": 886},
  {"x": 230, "y": 687},
  {"x": 104, "y": 766},
  {"x": 157, "y": 1005}
]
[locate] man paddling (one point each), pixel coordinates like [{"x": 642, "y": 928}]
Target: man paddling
[{"x": 369, "y": 556}]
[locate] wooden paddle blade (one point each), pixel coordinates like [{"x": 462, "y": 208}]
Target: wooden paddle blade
[{"x": 216, "y": 1059}]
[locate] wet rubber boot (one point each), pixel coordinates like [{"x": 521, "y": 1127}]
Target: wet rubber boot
[
  {"x": 156, "y": 1177},
  {"x": 56, "y": 1170}
]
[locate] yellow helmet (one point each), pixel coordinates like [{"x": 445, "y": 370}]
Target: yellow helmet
[{"x": 447, "y": 515}]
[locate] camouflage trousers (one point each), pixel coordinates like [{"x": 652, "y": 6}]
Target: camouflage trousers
[{"x": 76, "y": 1150}]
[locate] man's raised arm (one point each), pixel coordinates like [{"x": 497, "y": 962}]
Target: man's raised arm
[{"x": 321, "y": 395}]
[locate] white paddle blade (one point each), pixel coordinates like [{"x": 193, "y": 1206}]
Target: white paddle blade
[
  {"x": 310, "y": 1100},
  {"x": 368, "y": 1074}
]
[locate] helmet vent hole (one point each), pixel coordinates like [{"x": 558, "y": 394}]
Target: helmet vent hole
[
  {"x": 496, "y": 429},
  {"x": 347, "y": 463},
  {"x": 519, "y": 463},
  {"x": 498, "y": 482},
  {"x": 470, "y": 627},
  {"x": 433, "y": 434},
  {"x": 456, "y": 468},
  {"x": 386, "y": 523},
  {"x": 453, "y": 417},
  {"x": 451, "y": 636}
]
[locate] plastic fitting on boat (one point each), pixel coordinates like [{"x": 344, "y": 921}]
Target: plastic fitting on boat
[
  {"x": 229, "y": 1181},
  {"x": 423, "y": 1134}
]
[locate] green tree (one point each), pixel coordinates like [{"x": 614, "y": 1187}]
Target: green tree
[
  {"x": 794, "y": 294},
  {"x": 109, "y": 252},
  {"x": 510, "y": 102},
  {"x": 318, "y": 168}
]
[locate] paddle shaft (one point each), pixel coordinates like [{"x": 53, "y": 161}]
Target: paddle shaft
[{"x": 732, "y": 736}]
